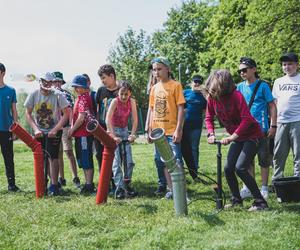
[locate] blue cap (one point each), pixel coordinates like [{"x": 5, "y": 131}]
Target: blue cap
[
  {"x": 80, "y": 81},
  {"x": 161, "y": 60}
]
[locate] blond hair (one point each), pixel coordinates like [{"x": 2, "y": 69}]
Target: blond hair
[{"x": 219, "y": 83}]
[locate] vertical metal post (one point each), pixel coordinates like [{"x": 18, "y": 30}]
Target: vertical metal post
[{"x": 219, "y": 201}]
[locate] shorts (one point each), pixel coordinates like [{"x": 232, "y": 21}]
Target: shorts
[
  {"x": 263, "y": 153},
  {"x": 51, "y": 145},
  {"x": 84, "y": 152},
  {"x": 66, "y": 142}
]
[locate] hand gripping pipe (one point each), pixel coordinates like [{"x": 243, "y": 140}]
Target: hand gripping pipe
[
  {"x": 107, "y": 159},
  {"x": 175, "y": 169},
  {"x": 37, "y": 156}
]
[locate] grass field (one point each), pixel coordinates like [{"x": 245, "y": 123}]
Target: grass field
[{"x": 73, "y": 221}]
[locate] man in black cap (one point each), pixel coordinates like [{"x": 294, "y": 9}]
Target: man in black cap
[{"x": 286, "y": 91}]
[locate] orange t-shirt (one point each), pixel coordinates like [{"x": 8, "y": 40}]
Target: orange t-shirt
[{"x": 164, "y": 101}]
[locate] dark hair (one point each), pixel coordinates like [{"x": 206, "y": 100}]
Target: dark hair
[
  {"x": 219, "y": 83},
  {"x": 2, "y": 67},
  {"x": 124, "y": 84},
  {"x": 250, "y": 63},
  {"x": 106, "y": 69}
]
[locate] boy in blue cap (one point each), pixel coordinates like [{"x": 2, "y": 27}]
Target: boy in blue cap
[{"x": 82, "y": 112}]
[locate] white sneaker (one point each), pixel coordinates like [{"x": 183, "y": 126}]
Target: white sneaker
[
  {"x": 264, "y": 194},
  {"x": 245, "y": 193}
]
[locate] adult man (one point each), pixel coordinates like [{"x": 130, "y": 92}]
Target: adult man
[
  {"x": 66, "y": 144},
  {"x": 261, "y": 103},
  {"x": 286, "y": 91},
  {"x": 8, "y": 114},
  {"x": 48, "y": 122}
]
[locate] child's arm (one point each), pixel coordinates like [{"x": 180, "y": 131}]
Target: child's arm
[
  {"x": 108, "y": 120},
  {"x": 180, "y": 118},
  {"x": 132, "y": 137}
]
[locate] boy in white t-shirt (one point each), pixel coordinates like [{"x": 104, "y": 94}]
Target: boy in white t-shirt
[{"x": 286, "y": 91}]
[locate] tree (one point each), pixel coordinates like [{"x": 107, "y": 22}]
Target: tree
[
  {"x": 21, "y": 97},
  {"x": 261, "y": 29},
  {"x": 182, "y": 38},
  {"x": 130, "y": 58}
]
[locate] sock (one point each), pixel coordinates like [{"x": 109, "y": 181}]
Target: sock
[{"x": 264, "y": 188}]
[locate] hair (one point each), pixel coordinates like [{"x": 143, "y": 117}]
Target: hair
[
  {"x": 219, "y": 83},
  {"x": 106, "y": 69},
  {"x": 2, "y": 67},
  {"x": 124, "y": 84}
]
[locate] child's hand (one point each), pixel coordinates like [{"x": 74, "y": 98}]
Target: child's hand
[
  {"x": 131, "y": 138},
  {"x": 117, "y": 139}
]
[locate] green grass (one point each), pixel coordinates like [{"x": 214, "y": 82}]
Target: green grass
[{"x": 147, "y": 222}]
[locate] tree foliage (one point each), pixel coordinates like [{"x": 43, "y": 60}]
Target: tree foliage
[
  {"x": 21, "y": 97},
  {"x": 130, "y": 58}
]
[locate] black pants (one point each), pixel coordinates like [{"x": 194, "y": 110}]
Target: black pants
[
  {"x": 7, "y": 151},
  {"x": 239, "y": 158}
]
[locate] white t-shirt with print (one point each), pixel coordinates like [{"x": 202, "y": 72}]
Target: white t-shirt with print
[{"x": 286, "y": 90}]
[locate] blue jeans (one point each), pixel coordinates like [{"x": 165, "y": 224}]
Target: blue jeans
[
  {"x": 176, "y": 148},
  {"x": 118, "y": 170}
]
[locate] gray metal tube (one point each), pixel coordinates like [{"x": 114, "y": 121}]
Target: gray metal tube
[{"x": 175, "y": 169}]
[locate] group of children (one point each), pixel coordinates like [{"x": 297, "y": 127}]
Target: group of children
[{"x": 244, "y": 111}]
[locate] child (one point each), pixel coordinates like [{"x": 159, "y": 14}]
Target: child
[
  {"x": 46, "y": 105},
  {"x": 8, "y": 114},
  {"x": 166, "y": 111},
  {"x": 230, "y": 106},
  {"x": 192, "y": 129},
  {"x": 117, "y": 122},
  {"x": 82, "y": 112}
]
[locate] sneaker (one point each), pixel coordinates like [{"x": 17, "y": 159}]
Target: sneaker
[
  {"x": 88, "y": 189},
  {"x": 234, "y": 203},
  {"x": 161, "y": 190},
  {"x": 62, "y": 181},
  {"x": 169, "y": 195},
  {"x": 130, "y": 192},
  {"x": 76, "y": 182},
  {"x": 120, "y": 194},
  {"x": 13, "y": 188},
  {"x": 258, "y": 206},
  {"x": 245, "y": 193},
  {"x": 265, "y": 194},
  {"x": 53, "y": 190}
]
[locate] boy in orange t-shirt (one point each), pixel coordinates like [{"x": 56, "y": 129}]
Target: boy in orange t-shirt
[{"x": 166, "y": 111}]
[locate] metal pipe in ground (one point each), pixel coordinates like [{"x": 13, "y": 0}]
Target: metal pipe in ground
[{"x": 175, "y": 169}]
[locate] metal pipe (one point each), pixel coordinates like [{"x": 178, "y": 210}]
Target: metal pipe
[
  {"x": 219, "y": 200},
  {"x": 175, "y": 169}
]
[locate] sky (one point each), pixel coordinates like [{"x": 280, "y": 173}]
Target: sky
[{"x": 71, "y": 36}]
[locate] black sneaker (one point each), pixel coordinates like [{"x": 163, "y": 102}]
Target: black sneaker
[
  {"x": 161, "y": 190},
  {"x": 258, "y": 205},
  {"x": 76, "y": 182},
  {"x": 88, "y": 189},
  {"x": 13, "y": 188},
  {"x": 53, "y": 190},
  {"x": 62, "y": 182},
  {"x": 120, "y": 194},
  {"x": 234, "y": 202},
  {"x": 129, "y": 191}
]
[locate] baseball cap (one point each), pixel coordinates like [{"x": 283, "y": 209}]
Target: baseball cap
[
  {"x": 248, "y": 61},
  {"x": 80, "y": 81},
  {"x": 289, "y": 57},
  {"x": 162, "y": 60},
  {"x": 47, "y": 77},
  {"x": 197, "y": 79},
  {"x": 58, "y": 76}
]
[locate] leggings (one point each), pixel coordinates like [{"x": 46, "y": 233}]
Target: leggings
[{"x": 239, "y": 158}]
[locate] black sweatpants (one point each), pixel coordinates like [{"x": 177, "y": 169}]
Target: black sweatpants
[{"x": 6, "y": 143}]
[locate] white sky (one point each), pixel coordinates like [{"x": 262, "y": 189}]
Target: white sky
[{"x": 71, "y": 36}]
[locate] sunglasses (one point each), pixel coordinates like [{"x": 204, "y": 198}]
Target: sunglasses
[
  {"x": 244, "y": 70},
  {"x": 197, "y": 81}
]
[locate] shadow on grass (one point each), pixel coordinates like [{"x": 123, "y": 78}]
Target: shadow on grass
[
  {"x": 147, "y": 208},
  {"x": 211, "y": 219},
  {"x": 290, "y": 207},
  {"x": 145, "y": 189}
]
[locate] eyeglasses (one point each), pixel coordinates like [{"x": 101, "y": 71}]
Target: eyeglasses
[
  {"x": 244, "y": 70},
  {"x": 197, "y": 81}
]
